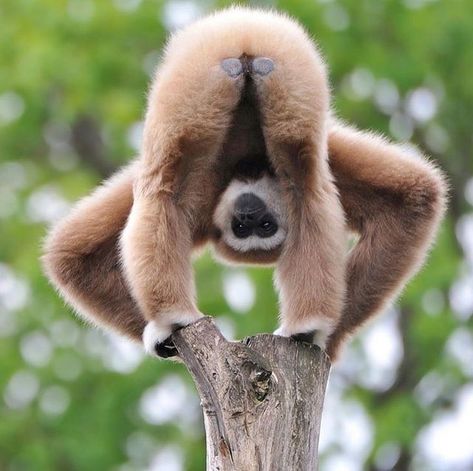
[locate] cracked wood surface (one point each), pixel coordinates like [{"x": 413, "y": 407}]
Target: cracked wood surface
[{"x": 262, "y": 398}]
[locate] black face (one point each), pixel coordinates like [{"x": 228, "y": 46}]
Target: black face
[{"x": 252, "y": 217}]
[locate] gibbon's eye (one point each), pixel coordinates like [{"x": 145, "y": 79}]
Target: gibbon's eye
[
  {"x": 267, "y": 227},
  {"x": 240, "y": 230}
]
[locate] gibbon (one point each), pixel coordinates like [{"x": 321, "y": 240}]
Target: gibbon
[{"x": 241, "y": 150}]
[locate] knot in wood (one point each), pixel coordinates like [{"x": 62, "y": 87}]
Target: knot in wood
[{"x": 261, "y": 382}]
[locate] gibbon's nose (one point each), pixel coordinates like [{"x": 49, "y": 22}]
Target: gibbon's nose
[
  {"x": 249, "y": 208},
  {"x": 247, "y": 65},
  {"x": 252, "y": 217}
]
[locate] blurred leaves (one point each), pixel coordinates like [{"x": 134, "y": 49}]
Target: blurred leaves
[{"x": 73, "y": 82}]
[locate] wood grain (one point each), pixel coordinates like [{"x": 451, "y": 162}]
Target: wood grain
[{"x": 262, "y": 398}]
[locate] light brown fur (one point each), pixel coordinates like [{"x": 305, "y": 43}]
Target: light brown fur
[{"x": 333, "y": 179}]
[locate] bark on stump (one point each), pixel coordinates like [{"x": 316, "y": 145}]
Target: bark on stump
[{"x": 262, "y": 398}]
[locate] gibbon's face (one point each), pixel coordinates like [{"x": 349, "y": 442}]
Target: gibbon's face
[{"x": 251, "y": 219}]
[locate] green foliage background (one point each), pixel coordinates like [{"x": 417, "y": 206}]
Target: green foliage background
[{"x": 73, "y": 81}]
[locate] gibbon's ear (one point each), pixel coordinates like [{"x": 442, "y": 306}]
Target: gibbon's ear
[{"x": 394, "y": 201}]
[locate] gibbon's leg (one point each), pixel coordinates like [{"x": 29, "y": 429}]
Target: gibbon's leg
[
  {"x": 310, "y": 271},
  {"x": 395, "y": 203},
  {"x": 81, "y": 257},
  {"x": 156, "y": 249},
  {"x": 310, "y": 274},
  {"x": 189, "y": 113}
]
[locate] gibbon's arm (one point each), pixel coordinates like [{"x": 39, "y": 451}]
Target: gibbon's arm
[
  {"x": 82, "y": 259},
  {"x": 395, "y": 203}
]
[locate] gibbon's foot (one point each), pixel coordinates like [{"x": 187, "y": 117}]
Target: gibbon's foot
[
  {"x": 166, "y": 349},
  {"x": 157, "y": 335},
  {"x": 307, "y": 337},
  {"x": 316, "y": 337},
  {"x": 235, "y": 67}
]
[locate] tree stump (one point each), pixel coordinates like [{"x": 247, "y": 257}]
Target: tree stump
[{"x": 262, "y": 398}]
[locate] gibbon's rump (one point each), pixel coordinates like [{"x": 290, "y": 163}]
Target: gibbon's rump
[{"x": 240, "y": 151}]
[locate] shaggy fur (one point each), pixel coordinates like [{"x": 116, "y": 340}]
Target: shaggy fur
[{"x": 122, "y": 257}]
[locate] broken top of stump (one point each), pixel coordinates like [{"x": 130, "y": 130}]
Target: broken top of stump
[{"x": 262, "y": 398}]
